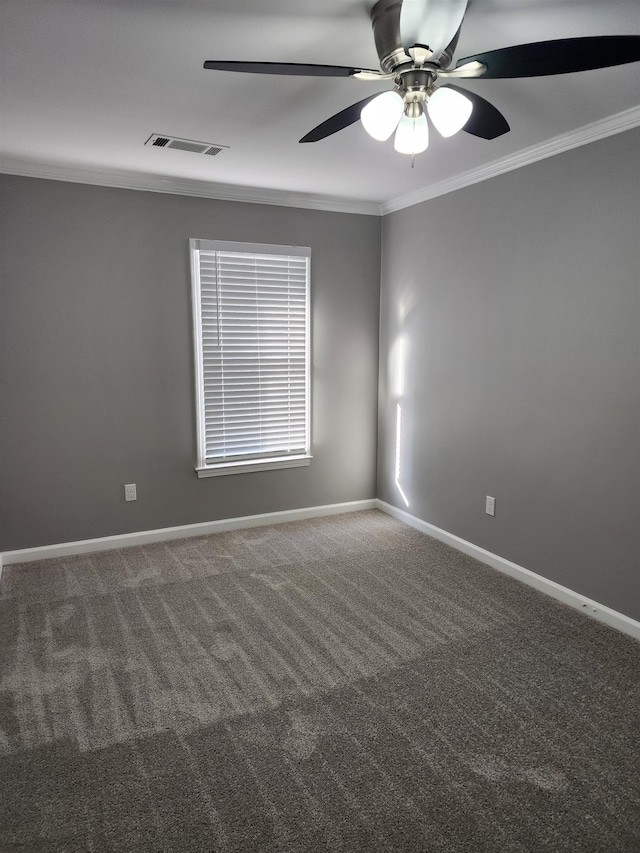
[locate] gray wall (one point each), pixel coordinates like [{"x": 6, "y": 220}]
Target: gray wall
[
  {"x": 518, "y": 304},
  {"x": 96, "y": 373},
  {"x": 518, "y": 301}
]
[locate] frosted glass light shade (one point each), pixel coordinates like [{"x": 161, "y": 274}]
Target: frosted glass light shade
[
  {"x": 412, "y": 135},
  {"x": 448, "y": 110},
  {"x": 380, "y": 116}
]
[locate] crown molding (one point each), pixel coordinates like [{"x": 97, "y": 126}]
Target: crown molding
[
  {"x": 582, "y": 136},
  {"x": 610, "y": 126},
  {"x": 180, "y": 186}
]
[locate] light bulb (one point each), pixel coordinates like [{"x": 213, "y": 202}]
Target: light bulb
[
  {"x": 412, "y": 135},
  {"x": 449, "y": 110},
  {"x": 380, "y": 116}
]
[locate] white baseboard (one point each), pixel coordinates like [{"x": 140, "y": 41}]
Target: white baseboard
[
  {"x": 562, "y": 593},
  {"x": 144, "y": 537}
]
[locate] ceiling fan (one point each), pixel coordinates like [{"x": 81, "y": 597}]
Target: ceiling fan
[{"x": 415, "y": 41}]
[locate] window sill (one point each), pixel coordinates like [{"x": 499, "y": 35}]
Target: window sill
[{"x": 247, "y": 467}]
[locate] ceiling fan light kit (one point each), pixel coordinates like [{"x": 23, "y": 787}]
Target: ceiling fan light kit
[
  {"x": 449, "y": 111},
  {"x": 416, "y": 41}
]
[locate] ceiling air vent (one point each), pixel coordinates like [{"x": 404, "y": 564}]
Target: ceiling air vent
[{"x": 157, "y": 140}]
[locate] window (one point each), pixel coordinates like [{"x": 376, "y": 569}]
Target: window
[{"x": 251, "y": 333}]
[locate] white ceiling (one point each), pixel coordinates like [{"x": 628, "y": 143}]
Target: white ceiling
[{"x": 85, "y": 82}]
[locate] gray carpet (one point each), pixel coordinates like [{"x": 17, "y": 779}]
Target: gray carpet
[{"x": 340, "y": 684}]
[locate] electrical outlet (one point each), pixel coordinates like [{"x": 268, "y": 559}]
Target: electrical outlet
[
  {"x": 130, "y": 492},
  {"x": 490, "y": 506}
]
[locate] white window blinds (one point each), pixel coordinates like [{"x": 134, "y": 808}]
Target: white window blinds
[{"x": 251, "y": 311}]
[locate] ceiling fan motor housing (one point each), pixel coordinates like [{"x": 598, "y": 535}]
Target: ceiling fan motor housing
[{"x": 385, "y": 20}]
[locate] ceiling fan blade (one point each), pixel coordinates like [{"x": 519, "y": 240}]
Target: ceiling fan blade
[
  {"x": 433, "y": 23},
  {"x": 287, "y": 68},
  {"x": 338, "y": 122},
  {"x": 561, "y": 56},
  {"x": 486, "y": 121}
]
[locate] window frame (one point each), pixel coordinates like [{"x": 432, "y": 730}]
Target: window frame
[{"x": 260, "y": 462}]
